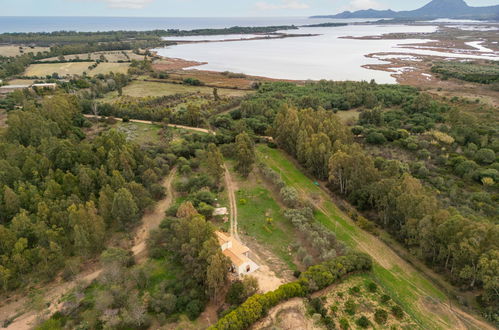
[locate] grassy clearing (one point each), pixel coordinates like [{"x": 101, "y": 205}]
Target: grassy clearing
[
  {"x": 417, "y": 295},
  {"x": 10, "y": 51},
  {"x": 63, "y": 69},
  {"x": 260, "y": 217},
  {"x": 111, "y": 56},
  {"x": 140, "y": 133}
]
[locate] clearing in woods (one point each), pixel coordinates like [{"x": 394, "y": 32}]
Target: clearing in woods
[
  {"x": 74, "y": 68},
  {"x": 419, "y": 297}
]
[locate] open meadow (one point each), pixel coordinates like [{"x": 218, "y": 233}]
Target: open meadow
[{"x": 11, "y": 51}]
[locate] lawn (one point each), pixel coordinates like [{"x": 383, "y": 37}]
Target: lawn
[
  {"x": 63, "y": 69},
  {"x": 417, "y": 295}
]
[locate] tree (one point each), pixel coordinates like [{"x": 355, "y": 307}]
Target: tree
[
  {"x": 245, "y": 154},
  {"x": 11, "y": 203},
  {"x": 186, "y": 210},
  {"x": 214, "y": 163},
  {"x": 485, "y": 156},
  {"x": 216, "y": 274},
  {"x": 124, "y": 208}
]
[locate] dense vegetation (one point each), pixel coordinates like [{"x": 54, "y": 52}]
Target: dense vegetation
[
  {"x": 483, "y": 73},
  {"x": 462, "y": 245},
  {"x": 62, "y": 195}
]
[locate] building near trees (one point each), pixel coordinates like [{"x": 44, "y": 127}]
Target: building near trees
[{"x": 237, "y": 253}]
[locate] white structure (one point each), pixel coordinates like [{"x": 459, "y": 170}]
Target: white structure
[
  {"x": 220, "y": 211},
  {"x": 237, "y": 253}
]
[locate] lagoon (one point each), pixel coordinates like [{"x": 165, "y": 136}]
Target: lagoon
[{"x": 327, "y": 56}]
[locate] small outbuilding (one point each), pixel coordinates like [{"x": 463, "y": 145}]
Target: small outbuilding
[{"x": 237, "y": 253}]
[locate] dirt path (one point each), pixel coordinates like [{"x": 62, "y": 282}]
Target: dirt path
[
  {"x": 56, "y": 290},
  {"x": 148, "y": 122},
  {"x": 229, "y": 184}
]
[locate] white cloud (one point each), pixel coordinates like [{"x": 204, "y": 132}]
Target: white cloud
[
  {"x": 285, "y": 4},
  {"x": 365, "y": 4},
  {"x": 126, "y": 4}
]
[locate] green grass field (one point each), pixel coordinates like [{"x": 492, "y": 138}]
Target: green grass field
[
  {"x": 260, "y": 217},
  {"x": 417, "y": 295}
]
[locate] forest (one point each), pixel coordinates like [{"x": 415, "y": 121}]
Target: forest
[{"x": 483, "y": 73}]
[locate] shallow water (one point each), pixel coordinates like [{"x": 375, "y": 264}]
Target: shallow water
[{"x": 327, "y": 56}]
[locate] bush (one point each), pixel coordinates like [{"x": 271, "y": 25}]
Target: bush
[
  {"x": 375, "y": 138},
  {"x": 372, "y": 287},
  {"x": 485, "y": 156},
  {"x": 350, "y": 307},
  {"x": 192, "y": 82},
  {"x": 354, "y": 290},
  {"x": 398, "y": 312},
  {"x": 290, "y": 197},
  {"x": 363, "y": 322},
  {"x": 344, "y": 325},
  {"x": 385, "y": 299},
  {"x": 380, "y": 316}
]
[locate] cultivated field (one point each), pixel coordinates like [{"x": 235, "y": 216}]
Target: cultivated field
[
  {"x": 155, "y": 89},
  {"x": 63, "y": 69},
  {"x": 10, "y": 51},
  {"x": 74, "y": 68},
  {"x": 111, "y": 56},
  {"x": 419, "y": 297},
  {"x": 104, "y": 68}
]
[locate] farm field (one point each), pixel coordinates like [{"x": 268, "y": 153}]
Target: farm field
[
  {"x": 155, "y": 89},
  {"x": 416, "y": 294},
  {"x": 105, "y": 68},
  {"x": 63, "y": 69},
  {"x": 10, "y": 51},
  {"x": 111, "y": 56}
]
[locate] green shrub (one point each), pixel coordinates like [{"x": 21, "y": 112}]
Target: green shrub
[
  {"x": 372, "y": 287},
  {"x": 380, "y": 316},
  {"x": 350, "y": 307},
  {"x": 397, "y": 312},
  {"x": 363, "y": 322},
  {"x": 375, "y": 138},
  {"x": 354, "y": 290},
  {"x": 344, "y": 325},
  {"x": 385, "y": 299}
]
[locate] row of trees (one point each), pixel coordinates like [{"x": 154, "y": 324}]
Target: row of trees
[{"x": 463, "y": 248}]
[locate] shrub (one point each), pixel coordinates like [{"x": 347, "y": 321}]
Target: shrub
[
  {"x": 350, "y": 307},
  {"x": 363, "y": 322},
  {"x": 372, "y": 287},
  {"x": 375, "y": 138},
  {"x": 344, "y": 325},
  {"x": 354, "y": 290},
  {"x": 398, "y": 312},
  {"x": 290, "y": 197},
  {"x": 192, "y": 82},
  {"x": 385, "y": 298},
  {"x": 380, "y": 316},
  {"x": 485, "y": 156}
]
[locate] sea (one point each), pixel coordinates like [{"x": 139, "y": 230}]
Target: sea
[{"x": 94, "y": 24}]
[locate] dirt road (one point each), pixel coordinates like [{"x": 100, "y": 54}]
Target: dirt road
[
  {"x": 229, "y": 184},
  {"x": 148, "y": 122},
  {"x": 56, "y": 290}
]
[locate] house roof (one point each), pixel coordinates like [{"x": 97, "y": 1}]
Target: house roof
[{"x": 236, "y": 253}]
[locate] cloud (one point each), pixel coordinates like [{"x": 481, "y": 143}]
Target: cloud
[
  {"x": 285, "y": 4},
  {"x": 125, "y": 4},
  {"x": 365, "y": 4}
]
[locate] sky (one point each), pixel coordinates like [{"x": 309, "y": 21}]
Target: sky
[{"x": 203, "y": 8}]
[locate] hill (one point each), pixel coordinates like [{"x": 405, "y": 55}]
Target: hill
[{"x": 433, "y": 10}]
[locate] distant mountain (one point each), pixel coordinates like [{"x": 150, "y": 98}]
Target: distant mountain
[{"x": 433, "y": 10}]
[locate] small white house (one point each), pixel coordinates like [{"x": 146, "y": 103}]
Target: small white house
[{"x": 237, "y": 253}]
